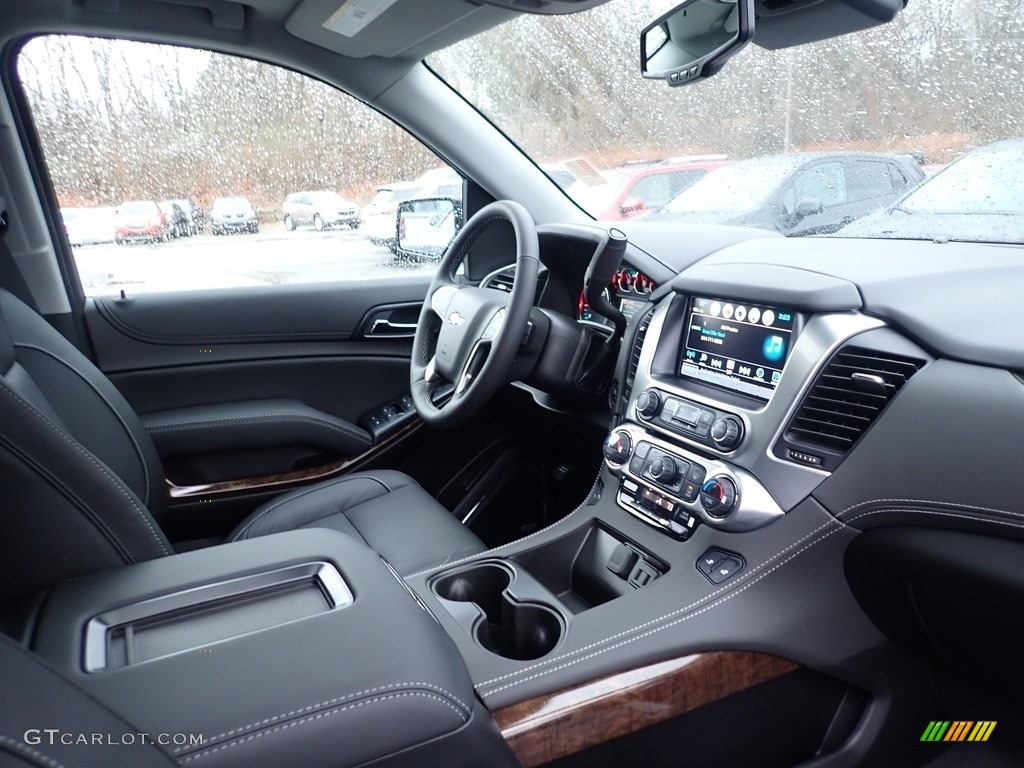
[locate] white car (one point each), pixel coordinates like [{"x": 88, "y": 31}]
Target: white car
[
  {"x": 88, "y": 226},
  {"x": 319, "y": 210},
  {"x": 379, "y": 215}
]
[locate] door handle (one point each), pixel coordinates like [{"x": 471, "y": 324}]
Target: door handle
[{"x": 384, "y": 327}]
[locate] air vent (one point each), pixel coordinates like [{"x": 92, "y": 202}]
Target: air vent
[
  {"x": 774, "y": 5},
  {"x": 848, "y": 396},
  {"x": 502, "y": 281},
  {"x": 634, "y": 355}
]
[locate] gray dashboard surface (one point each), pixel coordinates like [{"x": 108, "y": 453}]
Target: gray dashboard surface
[
  {"x": 960, "y": 300},
  {"x": 786, "y": 286}
]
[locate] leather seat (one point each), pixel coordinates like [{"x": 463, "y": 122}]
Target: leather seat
[
  {"x": 386, "y": 509},
  {"x": 84, "y": 485}
]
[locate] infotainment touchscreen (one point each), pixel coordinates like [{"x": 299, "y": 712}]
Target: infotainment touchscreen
[{"x": 736, "y": 345}]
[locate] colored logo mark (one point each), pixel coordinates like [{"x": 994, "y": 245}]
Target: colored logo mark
[
  {"x": 774, "y": 348},
  {"x": 958, "y": 730}
]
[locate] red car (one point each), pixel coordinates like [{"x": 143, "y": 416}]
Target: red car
[
  {"x": 140, "y": 220},
  {"x": 634, "y": 189}
]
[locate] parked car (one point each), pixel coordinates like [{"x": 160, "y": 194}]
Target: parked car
[
  {"x": 978, "y": 197},
  {"x": 194, "y": 214},
  {"x": 233, "y": 214},
  {"x": 796, "y": 194},
  {"x": 320, "y": 210},
  {"x": 559, "y": 174},
  {"x": 178, "y": 223},
  {"x": 634, "y": 189},
  {"x": 379, "y": 215},
  {"x": 140, "y": 220},
  {"x": 88, "y": 226}
]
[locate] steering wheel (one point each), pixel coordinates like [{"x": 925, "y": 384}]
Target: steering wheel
[{"x": 468, "y": 336}]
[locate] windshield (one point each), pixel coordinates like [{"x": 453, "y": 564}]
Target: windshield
[{"x": 892, "y": 106}]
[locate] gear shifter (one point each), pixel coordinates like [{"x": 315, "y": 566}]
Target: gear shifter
[
  {"x": 596, "y": 370},
  {"x": 602, "y": 269}
]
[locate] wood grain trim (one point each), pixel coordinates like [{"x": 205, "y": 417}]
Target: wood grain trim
[
  {"x": 551, "y": 726},
  {"x": 284, "y": 480}
]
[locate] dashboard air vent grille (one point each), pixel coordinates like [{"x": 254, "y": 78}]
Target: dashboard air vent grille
[
  {"x": 634, "y": 353},
  {"x": 503, "y": 281},
  {"x": 848, "y": 396}
]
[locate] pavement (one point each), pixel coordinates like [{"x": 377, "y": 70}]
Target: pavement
[{"x": 272, "y": 257}]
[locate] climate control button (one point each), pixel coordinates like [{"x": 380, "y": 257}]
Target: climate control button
[
  {"x": 665, "y": 470},
  {"x": 719, "y": 496}
]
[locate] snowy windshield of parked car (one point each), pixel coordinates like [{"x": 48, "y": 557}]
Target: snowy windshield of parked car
[
  {"x": 734, "y": 187},
  {"x": 943, "y": 79}
]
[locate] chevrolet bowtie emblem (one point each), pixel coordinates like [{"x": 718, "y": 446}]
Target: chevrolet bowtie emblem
[{"x": 456, "y": 319}]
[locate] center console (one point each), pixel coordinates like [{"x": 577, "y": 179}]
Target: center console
[{"x": 294, "y": 648}]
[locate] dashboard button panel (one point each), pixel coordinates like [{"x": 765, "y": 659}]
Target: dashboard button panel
[
  {"x": 718, "y": 429},
  {"x": 674, "y": 490}
]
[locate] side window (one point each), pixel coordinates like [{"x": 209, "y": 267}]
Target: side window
[
  {"x": 130, "y": 129},
  {"x": 825, "y": 182},
  {"x": 899, "y": 178},
  {"x": 870, "y": 180}
]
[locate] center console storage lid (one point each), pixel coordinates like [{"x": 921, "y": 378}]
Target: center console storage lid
[{"x": 299, "y": 648}]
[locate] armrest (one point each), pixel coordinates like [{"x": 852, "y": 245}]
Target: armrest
[
  {"x": 252, "y": 424},
  {"x": 267, "y": 680}
]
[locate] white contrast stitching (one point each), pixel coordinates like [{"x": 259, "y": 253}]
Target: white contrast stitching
[
  {"x": 131, "y": 435},
  {"x": 516, "y": 541},
  {"x": 860, "y": 504},
  {"x": 959, "y": 516},
  {"x": 746, "y": 585},
  {"x": 331, "y": 702},
  {"x": 23, "y": 748},
  {"x": 839, "y": 525},
  {"x": 254, "y": 419},
  {"x": 288, "y": 498},
  {"x": 117, "y": 483},
  {"x": 320, "y": 715}
]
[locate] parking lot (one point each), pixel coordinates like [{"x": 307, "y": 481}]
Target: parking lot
[{"x": 272, "y": 257}]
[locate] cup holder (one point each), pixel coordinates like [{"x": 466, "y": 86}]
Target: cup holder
[{"x": 513, "y": 628}]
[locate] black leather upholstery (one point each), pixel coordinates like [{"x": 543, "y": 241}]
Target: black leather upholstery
[
  {"x": 387, "y": 510},
  {"x": 37, "y": 698},
  {"x": 84, "y": 488},
  {"x": 377, "y": 680}
]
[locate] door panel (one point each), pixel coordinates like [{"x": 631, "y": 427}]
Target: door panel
[{"x": 306, "y": 343}]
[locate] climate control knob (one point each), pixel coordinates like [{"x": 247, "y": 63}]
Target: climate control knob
[
  {"x": 665, "y": 470},
  {"x": 648, "y": 403},
  {"x": 727, "y": 432},
  {"x": 617, "y": 447},
  {"x": 718, "y": 496}
]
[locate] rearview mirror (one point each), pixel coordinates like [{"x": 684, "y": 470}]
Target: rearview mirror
[
  {"x": 425, "y": 227},
  {"x": 695, "y": 39}
]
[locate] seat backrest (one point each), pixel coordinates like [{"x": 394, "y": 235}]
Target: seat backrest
[{"x": 82, "y": 485}]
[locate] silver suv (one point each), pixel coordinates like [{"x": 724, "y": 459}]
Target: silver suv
[{"x": 320, "y": 210}]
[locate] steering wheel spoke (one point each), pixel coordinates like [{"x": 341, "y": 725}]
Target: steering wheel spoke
[
  {"x": 467, "y": 337},
  {"x": 441, "y": 299}
]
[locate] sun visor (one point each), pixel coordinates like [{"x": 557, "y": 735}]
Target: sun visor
[{"x": 389, "y": 28}]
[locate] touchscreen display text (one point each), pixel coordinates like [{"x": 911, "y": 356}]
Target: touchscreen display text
[{"x": 736, "y": 345}]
